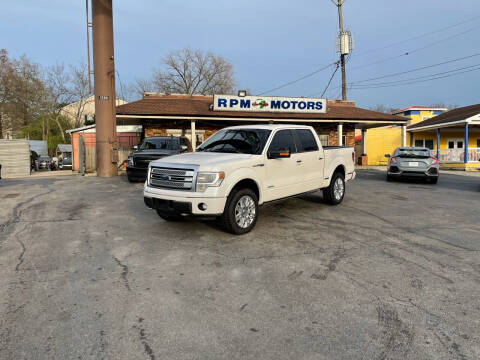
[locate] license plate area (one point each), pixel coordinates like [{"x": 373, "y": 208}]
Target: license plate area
[{"x": 413, "y": 163}]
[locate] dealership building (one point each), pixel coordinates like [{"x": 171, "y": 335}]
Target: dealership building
[{"x": 334, "y": 121}]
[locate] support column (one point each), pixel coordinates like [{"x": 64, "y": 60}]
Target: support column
[
  {"x": 364, "y": 141},
  {"x": 339, "y": 134},
  {"x": 411, "y": 139},
  {"x": 194, "y": 135},
  {"x": 465, "y": 145},
  {"x": 404, "y": 135},
  {"x": 438, "y": 143}
]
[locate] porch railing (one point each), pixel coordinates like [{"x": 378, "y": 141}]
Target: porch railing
[{"x": 458, "y": 155}]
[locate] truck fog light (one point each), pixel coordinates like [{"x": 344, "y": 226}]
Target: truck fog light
[{"x": 202, "y": 206}]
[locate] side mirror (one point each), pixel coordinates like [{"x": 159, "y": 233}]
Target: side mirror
[
  {"x": 135, "y": 147},
  {"x": 183, "y": 148},
  {"x": 279, "y": 154},
  {"x": 387, "y": 155}
]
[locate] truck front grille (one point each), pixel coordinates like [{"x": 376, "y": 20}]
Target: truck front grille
[{"x": 170, "y": 178}]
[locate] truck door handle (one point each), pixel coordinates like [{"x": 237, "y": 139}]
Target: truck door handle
[
  {"x": 320, "y": 158},
  {"x": 299, "y": 161}
]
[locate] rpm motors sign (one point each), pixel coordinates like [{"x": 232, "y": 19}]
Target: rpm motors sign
[{"x": 269, "y": 104}]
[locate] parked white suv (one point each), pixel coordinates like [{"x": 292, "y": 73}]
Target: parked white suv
[{"x": 239, "y": 168}]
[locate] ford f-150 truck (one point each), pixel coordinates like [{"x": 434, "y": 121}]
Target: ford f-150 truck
[{"x": 239, "y": 168}]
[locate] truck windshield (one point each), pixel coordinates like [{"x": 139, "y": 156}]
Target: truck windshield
[
  {"x": 159, "y": 143},
  {"x": 243, "y": 141}
]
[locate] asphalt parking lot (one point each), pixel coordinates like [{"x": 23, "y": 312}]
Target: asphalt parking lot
[{"x": 88, "y": 272}]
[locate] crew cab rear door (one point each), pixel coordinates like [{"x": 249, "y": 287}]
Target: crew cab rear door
[
  {"x": 310, "y": 159},
  {"x": 281, "y": 175}
]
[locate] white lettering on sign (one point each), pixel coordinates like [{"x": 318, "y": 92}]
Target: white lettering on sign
[
  {"x": 103, "y": 97},
  {"x": 269, "y": 104}
]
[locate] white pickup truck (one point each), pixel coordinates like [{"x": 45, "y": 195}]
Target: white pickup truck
[{"x": 241, "y": 167}]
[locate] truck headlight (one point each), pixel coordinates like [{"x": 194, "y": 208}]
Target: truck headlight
[
  {"x": 208, "y": 179},
  {"x": 130, "y": 160}
]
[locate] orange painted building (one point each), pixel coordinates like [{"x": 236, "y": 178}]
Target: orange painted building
[{"x": 127, "y": 137}]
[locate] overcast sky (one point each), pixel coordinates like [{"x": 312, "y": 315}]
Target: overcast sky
[{"x": 271, "y": 42}]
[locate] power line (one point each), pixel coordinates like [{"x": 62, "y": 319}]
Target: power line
[
  {"x": 415, "y": 82},
  {"x": 330, "y": 80},
  {"x": 419, "y": 36},
  {"x": 299, "y": 79},
  {"x": 416, "y": 69},
  {"x": 399, "y": 82},
  {"x": 409, "y": 52}
]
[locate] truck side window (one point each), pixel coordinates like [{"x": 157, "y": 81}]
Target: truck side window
[
  {"x": 282, "y": 140},
  {"x": 305, "y": 140}
]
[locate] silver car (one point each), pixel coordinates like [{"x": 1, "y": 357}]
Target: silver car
[{"x": 412, "y": 162}]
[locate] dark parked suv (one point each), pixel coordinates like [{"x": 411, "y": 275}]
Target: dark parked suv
[{"x": 153, "y": 148}]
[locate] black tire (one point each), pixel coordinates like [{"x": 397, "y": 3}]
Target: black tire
[
  {"x": 168, "y": 217},
  {"x": 434, "y": 180},
  {"x": 329, "y": 193},
  {"x": 228, "y": 218},
  {"x": 389, "y": 178},
  {"x": 131, "y": 180}
]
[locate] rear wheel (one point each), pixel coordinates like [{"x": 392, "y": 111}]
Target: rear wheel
[
  {"x": 434, "y": 180},
  {"x": 335, "y": 192},
  {"x": 241, "y": 211},
  {"x": 168, "y": 217},
  {"x": 389, "y": 178}
]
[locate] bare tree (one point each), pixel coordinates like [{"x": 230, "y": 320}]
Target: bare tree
[
  {"x": 192, "y": 72},
  {"x": 79, "y": 90},
  {"x": 59, "y": 93},
  {"x": 382, "y": 108}
]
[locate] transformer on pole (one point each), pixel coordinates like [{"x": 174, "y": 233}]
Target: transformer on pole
[{"x": 104, "y": 88}]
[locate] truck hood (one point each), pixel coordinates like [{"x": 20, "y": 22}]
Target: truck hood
[
  {"x": 203, "y": 158},
  {"x": 153, "y": 153}
]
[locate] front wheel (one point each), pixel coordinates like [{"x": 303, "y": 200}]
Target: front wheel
[
  {"x": 335, "y": 192},
  {"x": 241, "y": 211}
]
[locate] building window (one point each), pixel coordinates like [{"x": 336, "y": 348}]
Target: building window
[
  {"x": 455, "y": 144},
  {"x": 323, "y": 139},
  {"x": 428, "y": 143},
  {"x": 478, "y": 143},
  {"x": 344, "y": 140}
]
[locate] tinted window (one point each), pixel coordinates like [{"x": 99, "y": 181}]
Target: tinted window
[
  {"x": 244, "y": 141},
  {"x": 418, "y": 143},
  {"x": 160, "y": 143},
  {"x": 283, "y": 140},
  {"x": 414, "y": 153},
  {"x": 305, "y": 140}
]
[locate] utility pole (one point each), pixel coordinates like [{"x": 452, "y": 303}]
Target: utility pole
[
  {"x": 104, "y": 88},
  {"x": 344, "y": 45},
  {"x": 89, "y": 25}
]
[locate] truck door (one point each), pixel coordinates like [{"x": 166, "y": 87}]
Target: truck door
[
  {"x": 310, "y": 160},
  {"x": 281, "y": 177}
]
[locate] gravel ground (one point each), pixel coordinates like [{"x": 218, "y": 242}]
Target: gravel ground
[{"x": 88, "y": 272}]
